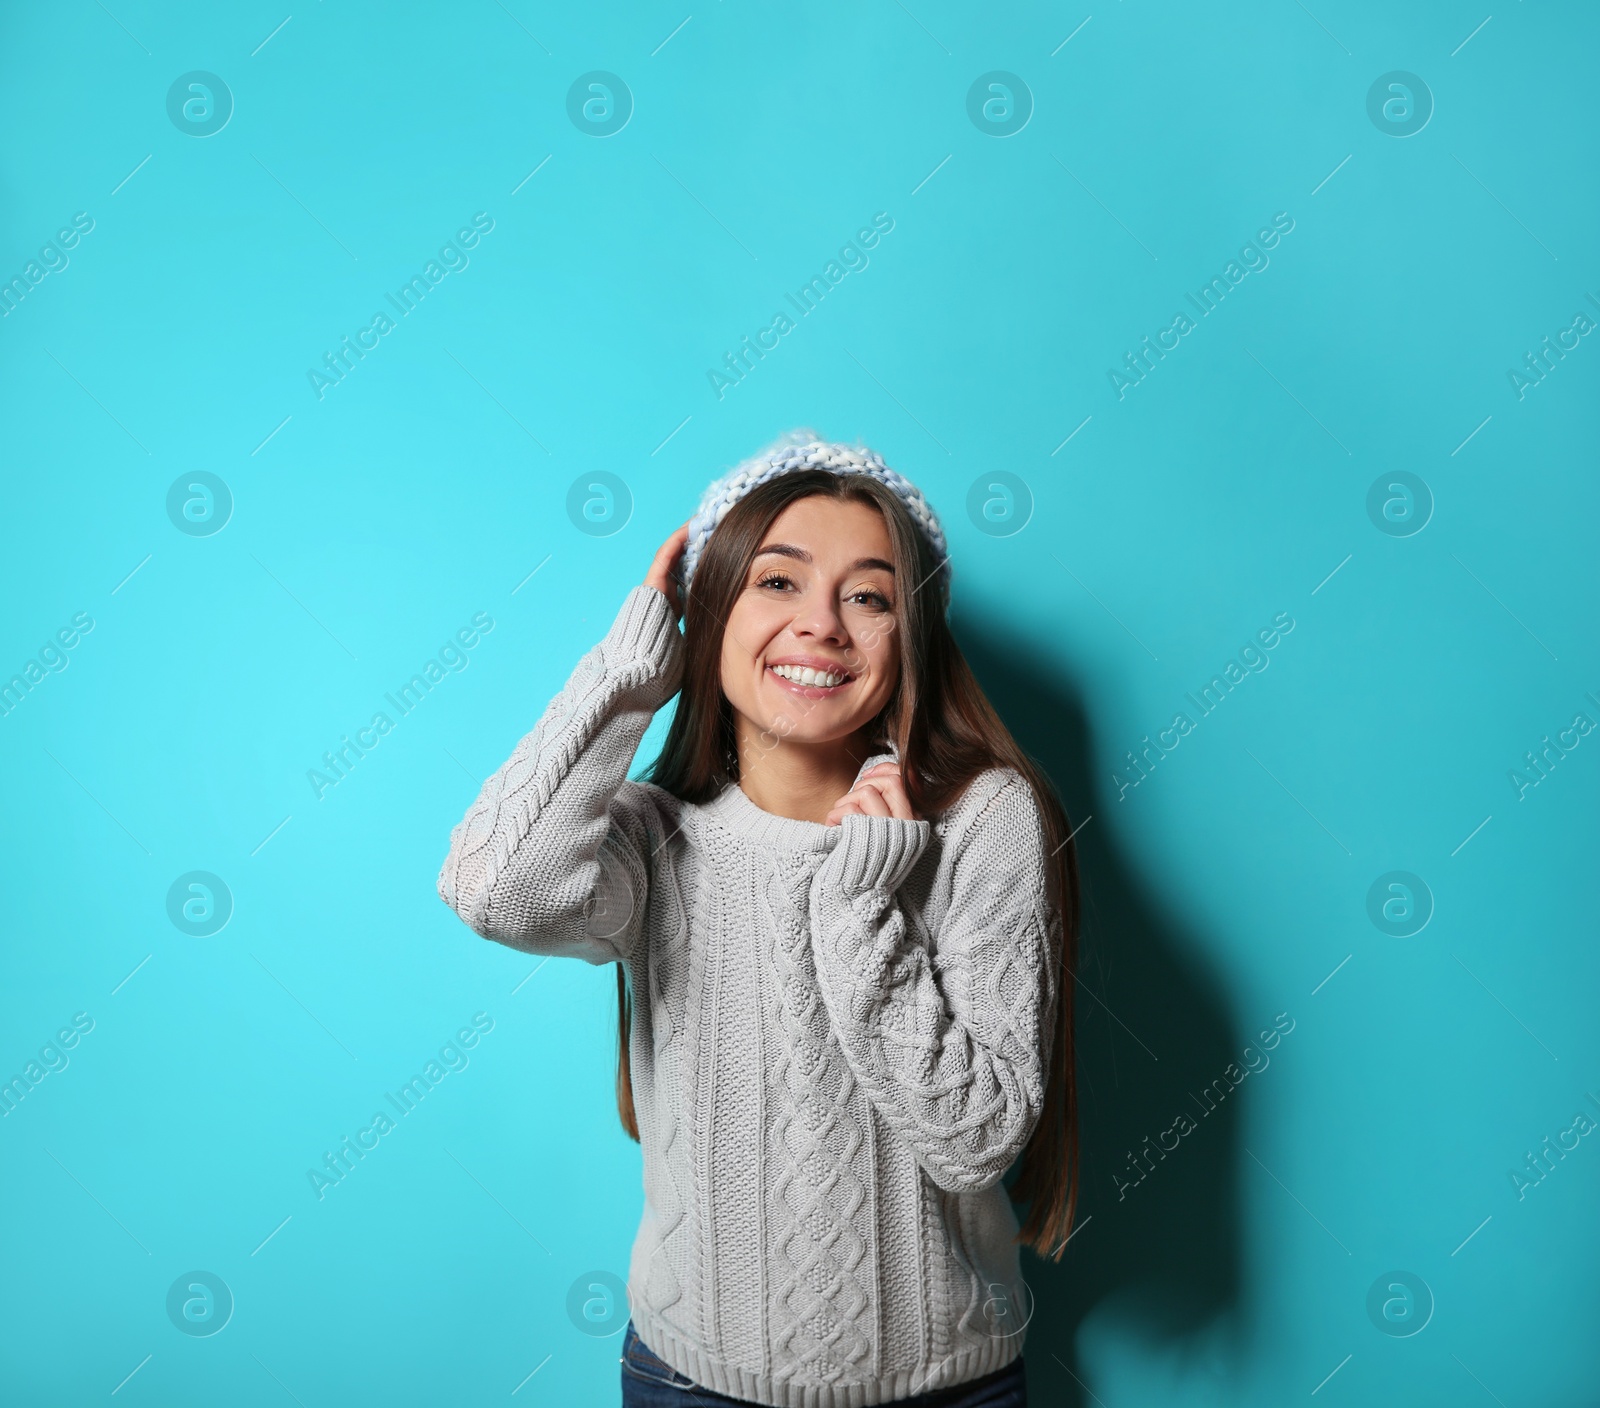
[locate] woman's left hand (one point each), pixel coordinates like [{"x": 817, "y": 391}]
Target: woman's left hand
[{"x": 880, "y": 791}]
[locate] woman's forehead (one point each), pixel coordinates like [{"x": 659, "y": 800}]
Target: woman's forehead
[{"x": 832, "y": 529}]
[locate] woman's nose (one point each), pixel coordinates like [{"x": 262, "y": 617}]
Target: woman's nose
[{"x": 819, "y": 617}]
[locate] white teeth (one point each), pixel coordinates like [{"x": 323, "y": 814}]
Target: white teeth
[{"x": 804, "y": 674}]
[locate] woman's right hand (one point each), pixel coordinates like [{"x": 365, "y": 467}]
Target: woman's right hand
[{"x": 666, "y": 561}]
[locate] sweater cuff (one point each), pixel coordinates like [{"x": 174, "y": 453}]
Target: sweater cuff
[
  {"x": 878, "y": 852},
  {"x": 646, "y": 633}
]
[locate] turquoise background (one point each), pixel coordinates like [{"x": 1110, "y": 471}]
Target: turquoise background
[{"x": 1166, "y": 528}]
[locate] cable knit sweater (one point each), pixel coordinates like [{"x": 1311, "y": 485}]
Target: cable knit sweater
[{"x": 839, "y": 1045}]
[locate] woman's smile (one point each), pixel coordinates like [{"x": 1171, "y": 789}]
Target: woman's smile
[{"x": 810, "y": 677}]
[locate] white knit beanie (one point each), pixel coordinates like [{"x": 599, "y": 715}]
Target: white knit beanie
[{"x": 802, "y": 449}]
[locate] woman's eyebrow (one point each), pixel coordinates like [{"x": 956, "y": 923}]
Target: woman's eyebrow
[
  {"x": 785, "y": 550},
  {"x": 801, "y": 555}
]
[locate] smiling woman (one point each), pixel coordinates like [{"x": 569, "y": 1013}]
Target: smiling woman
[{"x": 843, "y": 905}]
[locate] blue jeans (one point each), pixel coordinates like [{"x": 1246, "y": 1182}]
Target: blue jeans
[{"x": 650, "y": 1382}]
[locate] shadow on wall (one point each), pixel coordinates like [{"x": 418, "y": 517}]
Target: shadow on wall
[{"x": 1161, "y": 1255}]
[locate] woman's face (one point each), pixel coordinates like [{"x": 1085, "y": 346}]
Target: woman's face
[{"x": 810, "y": 654}]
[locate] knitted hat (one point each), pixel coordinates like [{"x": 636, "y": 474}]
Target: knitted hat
[{"x": 801, "y": 449}]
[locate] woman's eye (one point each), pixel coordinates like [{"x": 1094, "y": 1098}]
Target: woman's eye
[
  {"x": 776, "y": 579},
  {"x": 876, "y": 600}
]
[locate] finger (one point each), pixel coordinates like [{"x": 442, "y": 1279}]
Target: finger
[
  {"x": 871, "y": 800},
  {"x": 663, "y": 567},
  {"x": 669, "y": 552},
  {"x": 895, "y": 795}
]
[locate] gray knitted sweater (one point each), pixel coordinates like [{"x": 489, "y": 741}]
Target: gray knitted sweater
[{"x": 839, "y": 1045}]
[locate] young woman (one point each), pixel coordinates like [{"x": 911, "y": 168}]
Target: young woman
[{"x": 843, "y": 906}]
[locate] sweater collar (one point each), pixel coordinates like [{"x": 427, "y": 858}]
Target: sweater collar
[
  {"x": 885, "y": 753},
  {"x": 739, "y": 814}
]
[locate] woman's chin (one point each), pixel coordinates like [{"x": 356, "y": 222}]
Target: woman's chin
[{"x": 816, "y": 733}]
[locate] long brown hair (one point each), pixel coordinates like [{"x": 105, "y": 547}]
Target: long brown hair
[{"x": 946, "y": 732}]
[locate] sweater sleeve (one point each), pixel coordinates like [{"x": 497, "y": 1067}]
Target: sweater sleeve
[
  {"x": 553, "y": 855},
  {"x": 955, "y": 1059}
]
